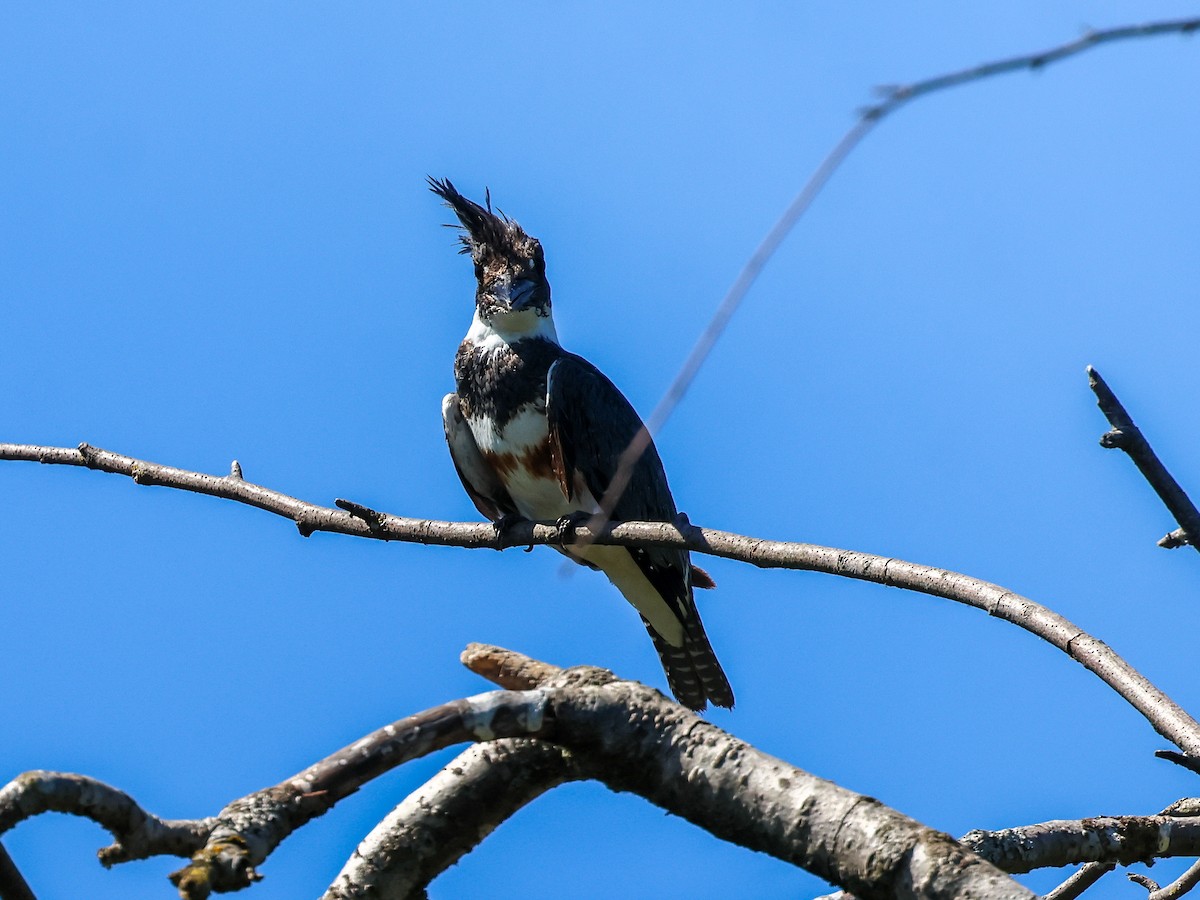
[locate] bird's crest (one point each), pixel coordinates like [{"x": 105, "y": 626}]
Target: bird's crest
[{"x": 483, "y": 227}]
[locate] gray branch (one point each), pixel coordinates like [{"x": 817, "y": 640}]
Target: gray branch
[
  {"x": 1180, "y": 886},
  {"x": 1167, "y": 718},
  {"x": 136, "y": 833},
  {"x": 632, "y": 739},
  {"x": 1128, "y": 437},
  {"x": 1124, "y": 840},
  {"x": 449, "y": 816},
  {"x": 555, "y": 725}
]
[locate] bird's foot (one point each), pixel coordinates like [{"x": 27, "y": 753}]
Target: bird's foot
[
  {"x": 504, "y": 527},
  {"x": 565, "y": 525}
]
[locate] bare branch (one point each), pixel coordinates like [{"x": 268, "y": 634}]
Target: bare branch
[
  {"x": 1107, "y": 839},
  {"x": 1164, "y": 715},
  {"x": 1128, "y": 437},
  {"x": 513, "y": 671},
  {"x": 697, "y": 771},
  {"x": 632, "y": 739},
  {"x": 599, "y": 726},
  {"x": 136, "y": 833},
  {"x": 449, "y": 816},
  {"x": 249, "y": 829},
  {"x": 1180, "y": 886},
  {"x": 1173, "y": 539},
  {"x": 1179, "y": 759}
]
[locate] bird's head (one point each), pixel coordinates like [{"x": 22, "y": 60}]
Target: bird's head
[{"x": 510, "y": 272}]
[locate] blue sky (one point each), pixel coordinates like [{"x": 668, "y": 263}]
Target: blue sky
[{"x": 217, "y": 243}]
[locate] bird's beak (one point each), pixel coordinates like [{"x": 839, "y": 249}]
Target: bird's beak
[
  {"x": 520, "y": 294},
  {"x": 514, "y": 295}
]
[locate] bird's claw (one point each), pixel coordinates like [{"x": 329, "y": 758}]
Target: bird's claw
[
  {"x": 570, "y": 522},
  {"x": 506, "y": 523}
]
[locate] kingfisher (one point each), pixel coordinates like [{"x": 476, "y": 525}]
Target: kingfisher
[{"x": 536, "y": 433}]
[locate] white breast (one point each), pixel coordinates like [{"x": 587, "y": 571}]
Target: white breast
[
  {"x": 536, "y": 494},
  {"x": 526, "y": 429}
]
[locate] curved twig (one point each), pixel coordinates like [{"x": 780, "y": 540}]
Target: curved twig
[
  {"x": 1180, "y": 886},
  {"x": 1167, "y": 718},
  {"x": 136, "y": 833}
]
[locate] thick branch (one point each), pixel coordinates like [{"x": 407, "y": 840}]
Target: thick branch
[
  {"x": 449, "y": 816},
  {"x": 623, "y": 734},
  {"x": 1128, "y": 437},
  {"x": 1163, "y": 714},
  {"x": 632, "y": 739}
]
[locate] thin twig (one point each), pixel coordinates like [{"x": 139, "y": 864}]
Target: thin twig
[
  {"x": 1179, "y": 759},
  {"x": 1128, "y": 437},
  {"x": 1167, "y": 718},
  {"x": 893, "y": 98}
]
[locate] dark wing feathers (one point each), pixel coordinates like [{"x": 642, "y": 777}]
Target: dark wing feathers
[
  {"x": 482, "y": 486},
  {"x": 591, "y": 424}
]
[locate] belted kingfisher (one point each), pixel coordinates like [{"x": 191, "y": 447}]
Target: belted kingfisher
[{"x": 536, "y": 432}]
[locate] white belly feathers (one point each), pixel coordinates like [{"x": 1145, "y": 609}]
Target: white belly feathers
[{"x": 520, "y": 454}]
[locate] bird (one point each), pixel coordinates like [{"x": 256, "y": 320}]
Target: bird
[{"x": 535, "y": 432}]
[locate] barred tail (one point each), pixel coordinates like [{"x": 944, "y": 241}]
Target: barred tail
[{"x": 693, "y": 673}]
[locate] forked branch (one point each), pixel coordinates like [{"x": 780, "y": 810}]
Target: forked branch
[
  {"x": 552, "y": 725},
  {"x": 621, "y": 733}
]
